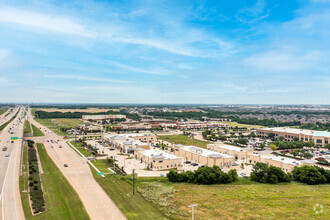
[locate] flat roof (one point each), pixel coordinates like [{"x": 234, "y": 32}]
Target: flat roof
[
  {"x": 204, "y": 152},
  {"x": 281, "y": 159},
  {"x": 159, "y": 154},
  {"x": 230, "y": 147},
  {"x": 298, "y": 131}
]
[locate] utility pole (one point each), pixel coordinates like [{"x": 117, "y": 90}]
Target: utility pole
[
  {"x": 133, "y": 180},
  {"x": 114, "y": 165},
  {"x": 192, "y": 210}
]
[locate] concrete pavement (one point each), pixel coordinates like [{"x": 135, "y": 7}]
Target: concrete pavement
[
  {"x": 97, "y": 203},
  {"x": 11, "y": 206}
]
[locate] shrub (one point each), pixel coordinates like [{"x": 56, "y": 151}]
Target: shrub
[
  {"x": 263, "y": 173},
  {"x": 309, "y": 175}
]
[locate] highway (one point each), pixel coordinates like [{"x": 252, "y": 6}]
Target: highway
[
  {"x": 10, "y": 201},
  {"x": 96, "y": 202}
]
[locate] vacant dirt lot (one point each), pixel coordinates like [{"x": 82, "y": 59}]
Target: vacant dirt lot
[{"x": 89, "y": 110}]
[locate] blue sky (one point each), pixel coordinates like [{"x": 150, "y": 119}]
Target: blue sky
[{"x": 249, "y": 52}]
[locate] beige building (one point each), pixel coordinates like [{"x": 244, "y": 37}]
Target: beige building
[
  {"x": 203, "y": 156},
  {"x": 286, "y": 164},
  {"x": 237, "y": 152},
  {"x": 320, "y": 138},
  {"x": 125, "y": 144},
  {"x": 143, "y": 137},
  {"x": 102, "y": 117},
  {"x": 157, "y": 159}
]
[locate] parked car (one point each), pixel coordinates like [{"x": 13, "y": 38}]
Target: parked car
[
  {"x": 194, "y": 164},
  {"x": 66, "y": 165},
  {"x": 187, "y": 162},
  {"x": 111, "y": 149},
  {"x": 202, "y": 166}
]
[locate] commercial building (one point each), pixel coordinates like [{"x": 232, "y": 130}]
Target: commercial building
[
  {"x": 158, "y": 160},
  {"x": 125, "y": 144},
  {"x": 101, "y": 117},
  {"x": 237, "y": 152},
  {"x": 203, "y": 156},
  {"x": 320, "y": 138},
  {"x": 197, "y": 125},
  {"x": 286, "y": 164},
  {"x": 88, "y": 128}
]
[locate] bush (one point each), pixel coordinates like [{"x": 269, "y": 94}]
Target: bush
[
  {"x": 204, "y": 175},
  {"x": 309, "y": 175},
  {"x": 262, "y": 173}
]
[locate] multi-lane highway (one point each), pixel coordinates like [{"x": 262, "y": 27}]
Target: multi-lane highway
[
  {"x": 97, "y": 203},
  {"x": 10, "y": 201}
]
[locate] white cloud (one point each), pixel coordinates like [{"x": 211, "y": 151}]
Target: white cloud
[
  {"x": 274, "y": 61},
  {"x": 42, "y": 21},
  {"x": 135, "y": 69},
  {"x": 4, "y": 53},
  {"x": 79, "y": 77}
]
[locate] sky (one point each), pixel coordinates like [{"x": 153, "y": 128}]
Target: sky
[{"x": 180, "y": 52}]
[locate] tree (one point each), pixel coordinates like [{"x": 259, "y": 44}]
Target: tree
[
  {"x": 307, "y": 155},
  {"x": 263, "y": 173},
  {"x": 273, "y": 147},
  {"x": 308, "y": 174},
  {"x": 327, "y": 146},
  {"x": 281, "y": 138}
]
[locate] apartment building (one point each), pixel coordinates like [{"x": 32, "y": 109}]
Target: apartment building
[
  {"x": 286, "y": 164},
  {"x": 125, "y": 144},
  {"x": 320, "y": 138},
  {"x": 203, "y": 156},
  {"x": 237, "y": 152},
  {"x": 157, "y": 159}
]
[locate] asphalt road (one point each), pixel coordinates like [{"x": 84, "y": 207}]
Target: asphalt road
[
  {"x": 96, "y": 202},
  {"x": 10, "y": 201}
]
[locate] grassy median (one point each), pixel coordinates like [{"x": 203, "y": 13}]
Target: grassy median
[
  {"x": 183, "y": 139},
  {"x": 27, "y": 127},
  {"x": 37, "y": 132},
  {"x": 62, "y": 201}
]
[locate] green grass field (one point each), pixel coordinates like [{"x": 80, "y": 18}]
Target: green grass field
[
  {"x": 57, "y": 123},
  {"x": 27, "y": 127},
  {"x": 3, "y": 110},
  {"x": 120, "y": 191},
  {"x": 61, "y": 200},
  {"x": 81, "y": 149},
  {"x": 36, "y": 131},
  {"x": 182, "y": 139}
]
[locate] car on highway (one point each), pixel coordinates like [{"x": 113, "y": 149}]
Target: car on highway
[
  {"x": 60, "y": 146},
  {"x": 4, "y": 148},
  {"x": 6, "y": 155},
  {"x": 12, "y": 142},
  {"x": 66, "y": 165}
]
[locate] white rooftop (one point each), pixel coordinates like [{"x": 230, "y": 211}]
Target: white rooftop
[
  {"x": 281, "y": 159},
  {"x": 298, "y": 131},
  {"x": 159, "y": 154},
  {"x": 137, "y": 134},
  {"x": 204, "y": 152},
  {"x": 230, "y": 147}
]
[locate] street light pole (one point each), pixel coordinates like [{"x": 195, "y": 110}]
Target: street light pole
[{"x": 192, "y": 210}]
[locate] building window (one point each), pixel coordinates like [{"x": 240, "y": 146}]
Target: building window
[
  {"x": 160, "y": 161},
  {"x": 319, "y": 141}
]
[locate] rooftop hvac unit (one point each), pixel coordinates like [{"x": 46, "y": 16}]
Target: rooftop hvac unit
[{"x": 282, "y": 158}]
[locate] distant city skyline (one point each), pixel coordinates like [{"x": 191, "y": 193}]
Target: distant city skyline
[{"x": 161, "y": 52}]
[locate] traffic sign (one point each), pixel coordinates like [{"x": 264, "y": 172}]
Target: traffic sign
[
  {"x": 14, "y": 138},
  {"x": 100, "y": 174}
]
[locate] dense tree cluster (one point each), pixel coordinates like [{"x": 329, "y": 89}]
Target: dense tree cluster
[
  {"x": 263, "y": 173},
  {"x": 311, "y": 175},
  {"x": 204, "y": 175},
  {"x": 36, "y": 193},
  {"x": 292, "y": 144},
  {"x": 317, "y": 126}
]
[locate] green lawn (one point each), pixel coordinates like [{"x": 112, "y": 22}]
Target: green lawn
[
  {"x": 27, "y": 127},
  {"x": 36, "y": 131},
  {"x": 3, "y": 110},
  {"x": 250, "y": 200},
  {"x": 182, "y": 139},
  {"x": 120, "y": 191},
  {"x": 61, "y": 200},
  {"x": 57, "y": 123},
  {"x": 234, "y": 124},
  {"x": 82, "y": 150},
  {"x": 101, "y": 166}
]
